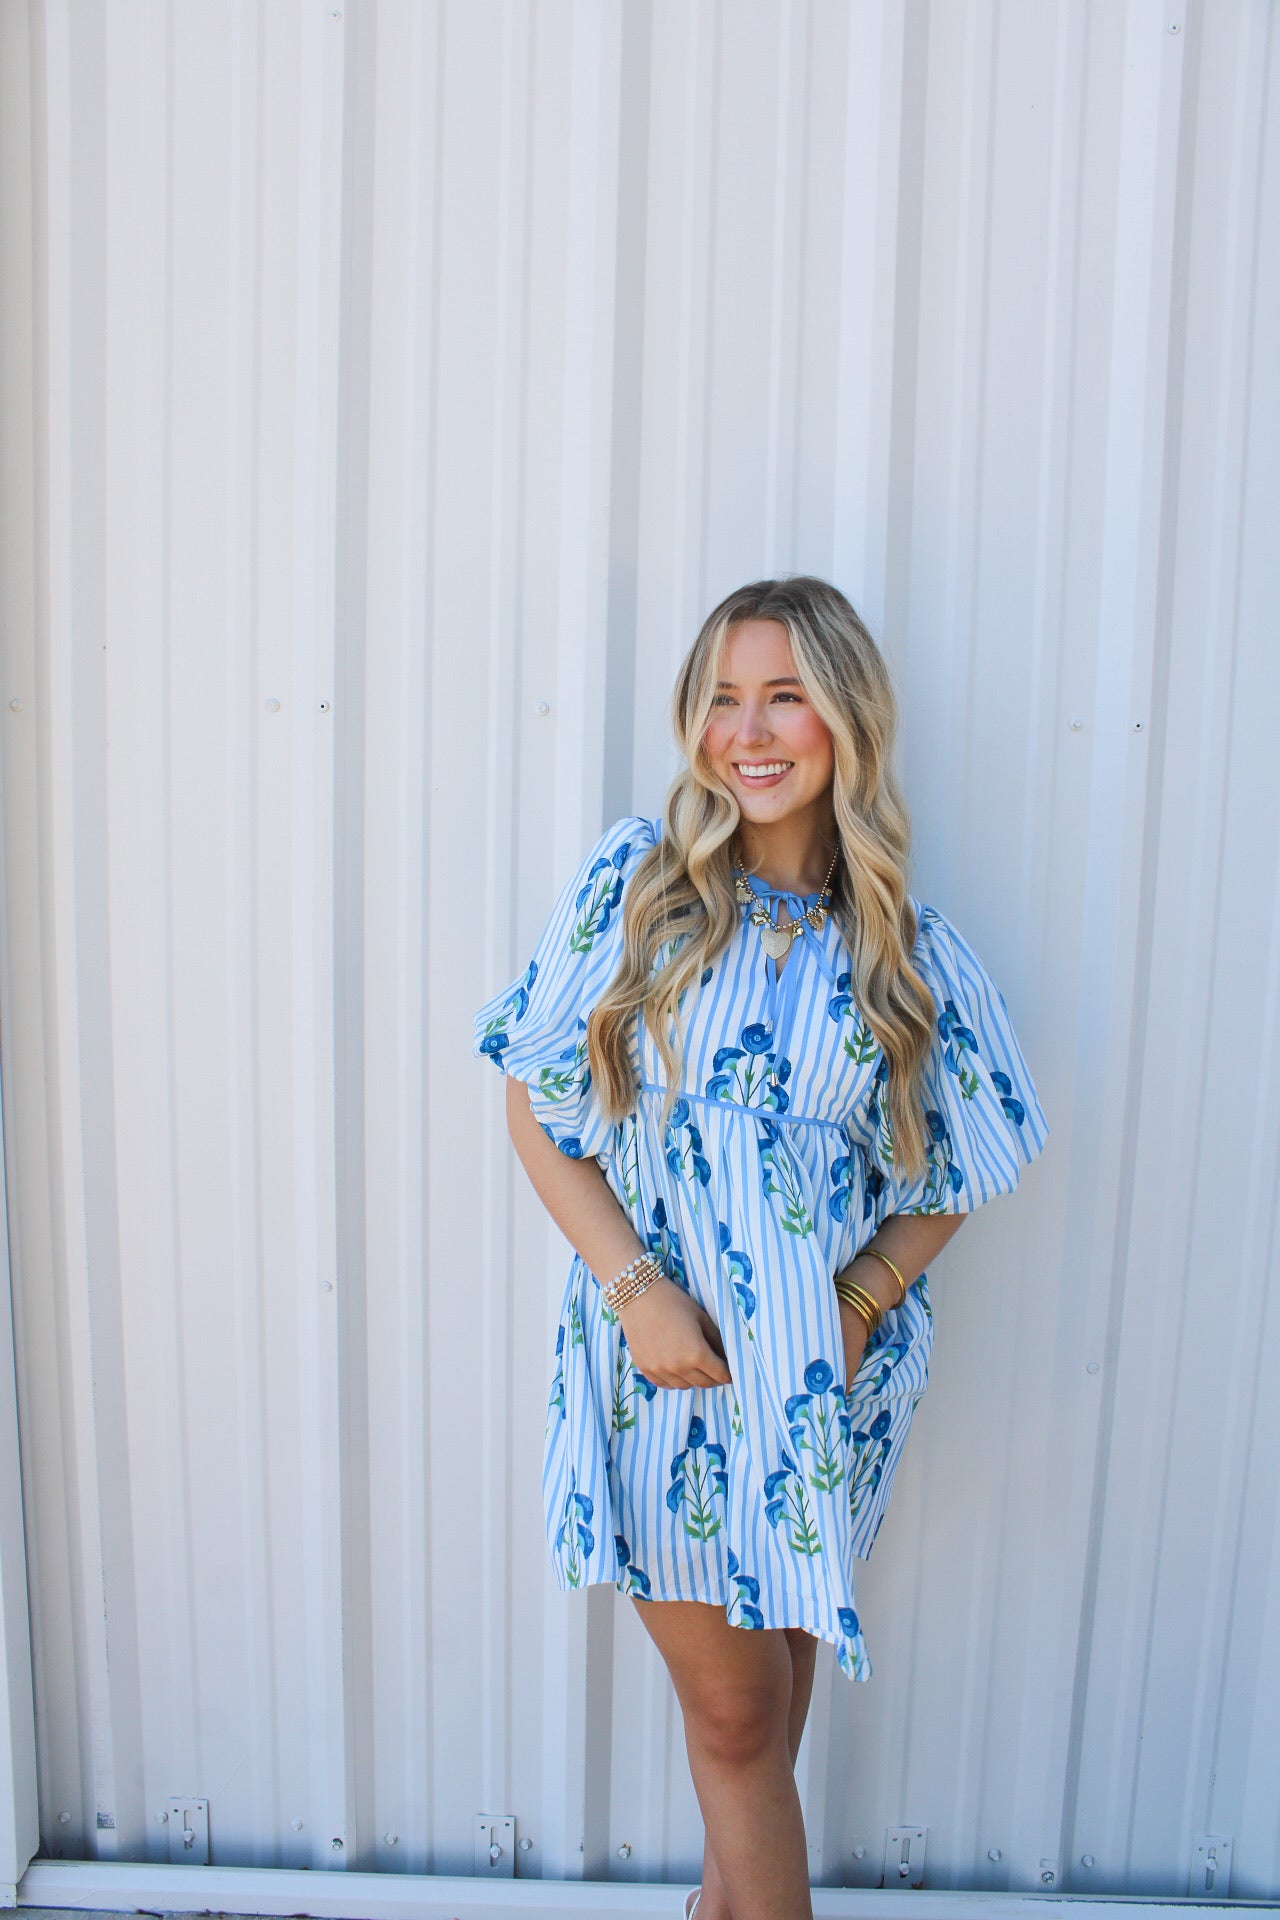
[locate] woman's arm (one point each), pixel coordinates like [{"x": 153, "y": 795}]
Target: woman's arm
[
  {"x": 672, "y": 1340},
  {"x": 574, "y": 1192},
  {"x": 911, "y": 1241}
]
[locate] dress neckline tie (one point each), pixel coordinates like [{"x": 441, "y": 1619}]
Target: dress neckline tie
[{"x": 783, "y": 989}]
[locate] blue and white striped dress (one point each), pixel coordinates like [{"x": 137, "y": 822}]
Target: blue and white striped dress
[{"x": 757, "y": 1496}]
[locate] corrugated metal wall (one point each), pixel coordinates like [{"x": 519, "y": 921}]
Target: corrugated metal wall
[{"x": 389, "y": 388}]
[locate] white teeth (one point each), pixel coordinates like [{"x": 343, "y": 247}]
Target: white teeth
[{"x": 763, "y": 772}]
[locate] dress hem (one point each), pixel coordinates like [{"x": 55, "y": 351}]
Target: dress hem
[{"x": 859, "y": 1664}]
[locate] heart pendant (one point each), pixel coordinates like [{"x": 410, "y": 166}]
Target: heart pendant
[{"x": 775, "y": 941}]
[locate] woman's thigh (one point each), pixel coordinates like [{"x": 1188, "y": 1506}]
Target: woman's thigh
[{"x": 735, "y": 1686}]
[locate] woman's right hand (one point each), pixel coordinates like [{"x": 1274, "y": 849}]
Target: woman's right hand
[{"x": 672, "y": 1340}]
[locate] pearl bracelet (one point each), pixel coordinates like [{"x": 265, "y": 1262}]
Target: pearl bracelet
[{"x": 635, "y": 1278}]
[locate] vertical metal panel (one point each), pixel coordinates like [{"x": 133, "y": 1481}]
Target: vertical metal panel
[{"x": 409, "y": 380}]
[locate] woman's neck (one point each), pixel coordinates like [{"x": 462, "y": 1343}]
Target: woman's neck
[{"x": 791, "y": 856}]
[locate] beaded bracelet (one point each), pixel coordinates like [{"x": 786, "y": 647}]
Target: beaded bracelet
[{"x": 635, "y": 1278}]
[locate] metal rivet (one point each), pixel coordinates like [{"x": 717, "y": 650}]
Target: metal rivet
[
  {"x": 1076, "y": 725},
  {"x": 273, "y": 705},
  {"x": 624, "y": 1851},
  {"x": 324, "y": 706},
  {"x": 1137, "y": 726},
  {"x": 859, "y": 1853},
  {"x": 296, "y": 1825},
  {"x": 994, "y": 1853},
  {"x": 1092, "y": 1367},
  {"x": 1086, "y": 1859},
  {"x": 16, "y": 705},
  {"x": 1175, "y": 26},
  {"x": 327, "y": 1287},
  {"x": 495, "y": 1852},
  {"x": 525, "y": 1844},
  {"x": 1048, "y": 1876},
  {"x": 543, "y": 706},
  {"x": 64, "y": 1819},
  {"x": 392, "y": 1839},
  {"x": 336, "y": 1844}
]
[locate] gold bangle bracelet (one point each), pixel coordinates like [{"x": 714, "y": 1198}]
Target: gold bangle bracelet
[
  {"x": 902, "y": 1285},
  {"x": 861, "y": 1302}
]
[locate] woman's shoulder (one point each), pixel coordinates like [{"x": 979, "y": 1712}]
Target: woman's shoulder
[
  {"x": 626, "y": 838},
  {"x": 938, "y": 938}
]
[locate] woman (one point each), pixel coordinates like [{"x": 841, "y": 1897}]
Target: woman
[{"x": 755, "y": 1174}]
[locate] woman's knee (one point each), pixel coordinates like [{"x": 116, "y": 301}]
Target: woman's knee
[{"x": 736, "y": 1725}]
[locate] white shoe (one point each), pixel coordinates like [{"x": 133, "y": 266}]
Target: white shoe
[{"x": 695, "y": 1896}]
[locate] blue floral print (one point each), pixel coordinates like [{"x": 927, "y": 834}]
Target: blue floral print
[
  {"x": 763, "y": 1495},
  {"x": 698, "y": 1481},
  {"x": 820, "y": 1425},
  {"x": 686, "y": 1158},
  {"x": 631, "y": 1578},
  {"x": 744, "y": 1606}
]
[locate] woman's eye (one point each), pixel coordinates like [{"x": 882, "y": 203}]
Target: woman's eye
[{"x": 723, "y": 699}]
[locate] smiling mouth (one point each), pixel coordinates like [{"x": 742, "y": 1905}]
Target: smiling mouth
[{"x": 763, "y": 770}]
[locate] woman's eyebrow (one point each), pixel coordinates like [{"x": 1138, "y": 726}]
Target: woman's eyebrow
[{"x": 789, "y": 680}]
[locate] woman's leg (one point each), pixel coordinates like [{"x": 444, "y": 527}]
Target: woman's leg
[
  {"x": 735, "y": 1690},
  {"x": 714, "y": 1904}
]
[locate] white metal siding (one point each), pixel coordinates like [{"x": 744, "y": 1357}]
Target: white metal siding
[{"x": 389, "y": 389}]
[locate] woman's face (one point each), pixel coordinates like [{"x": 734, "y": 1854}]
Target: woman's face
[{"x": 761, "y": 718}]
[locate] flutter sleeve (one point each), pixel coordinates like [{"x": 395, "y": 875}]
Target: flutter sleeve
[
  {"x": 983, "y": 1118},
  {"x": 536, "y": 1028}
]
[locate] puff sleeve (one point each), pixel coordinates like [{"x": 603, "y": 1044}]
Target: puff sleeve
[
  {"x": 983, "y": 1118},
  {"x": 536, "y": 1028}
]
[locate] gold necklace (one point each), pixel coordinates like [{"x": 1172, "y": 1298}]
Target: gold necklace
[{"x": 775, "y": 938}]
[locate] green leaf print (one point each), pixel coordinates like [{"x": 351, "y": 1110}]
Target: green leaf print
[
  {"x": 603, "y": 893},
  {"x": 628, "y": 1159},
  {"x": 869, "y": 1451},
  {"x": 561, "y": 1082},
  {"x": 698, "y": 1480},
  {"x": 801, "y": 1531},
  {"x": 624, "y": 1413},
  {"x": 860, "y": 1045},
  {"x": 780, "y": 1178},
  {"x": 575, "y": 1534},
  {"x": 701, "y": 1520},
  {"x": 787, "y": 1506},
  {"x": 819, "y": 1434},
  {"x": 573, "y": 1565},
  {"x": 735, "y": 1421},
  {"x": 969, "y": 1081},
  {"x": 575, "y": 1323},
  {"x": 884, "y": 1133},
  {"x": 555, "y": 1401}
]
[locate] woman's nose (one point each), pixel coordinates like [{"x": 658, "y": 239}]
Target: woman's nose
[{"x": 753, "y": 725}]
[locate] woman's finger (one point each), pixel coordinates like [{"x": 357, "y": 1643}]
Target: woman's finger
[{"x": 711, "y": 1334}]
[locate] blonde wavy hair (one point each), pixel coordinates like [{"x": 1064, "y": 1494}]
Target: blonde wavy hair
[{"x": 684, "y": 885}]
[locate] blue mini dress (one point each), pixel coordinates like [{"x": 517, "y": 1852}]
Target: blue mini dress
[{"x": 775, "y": 1167}]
